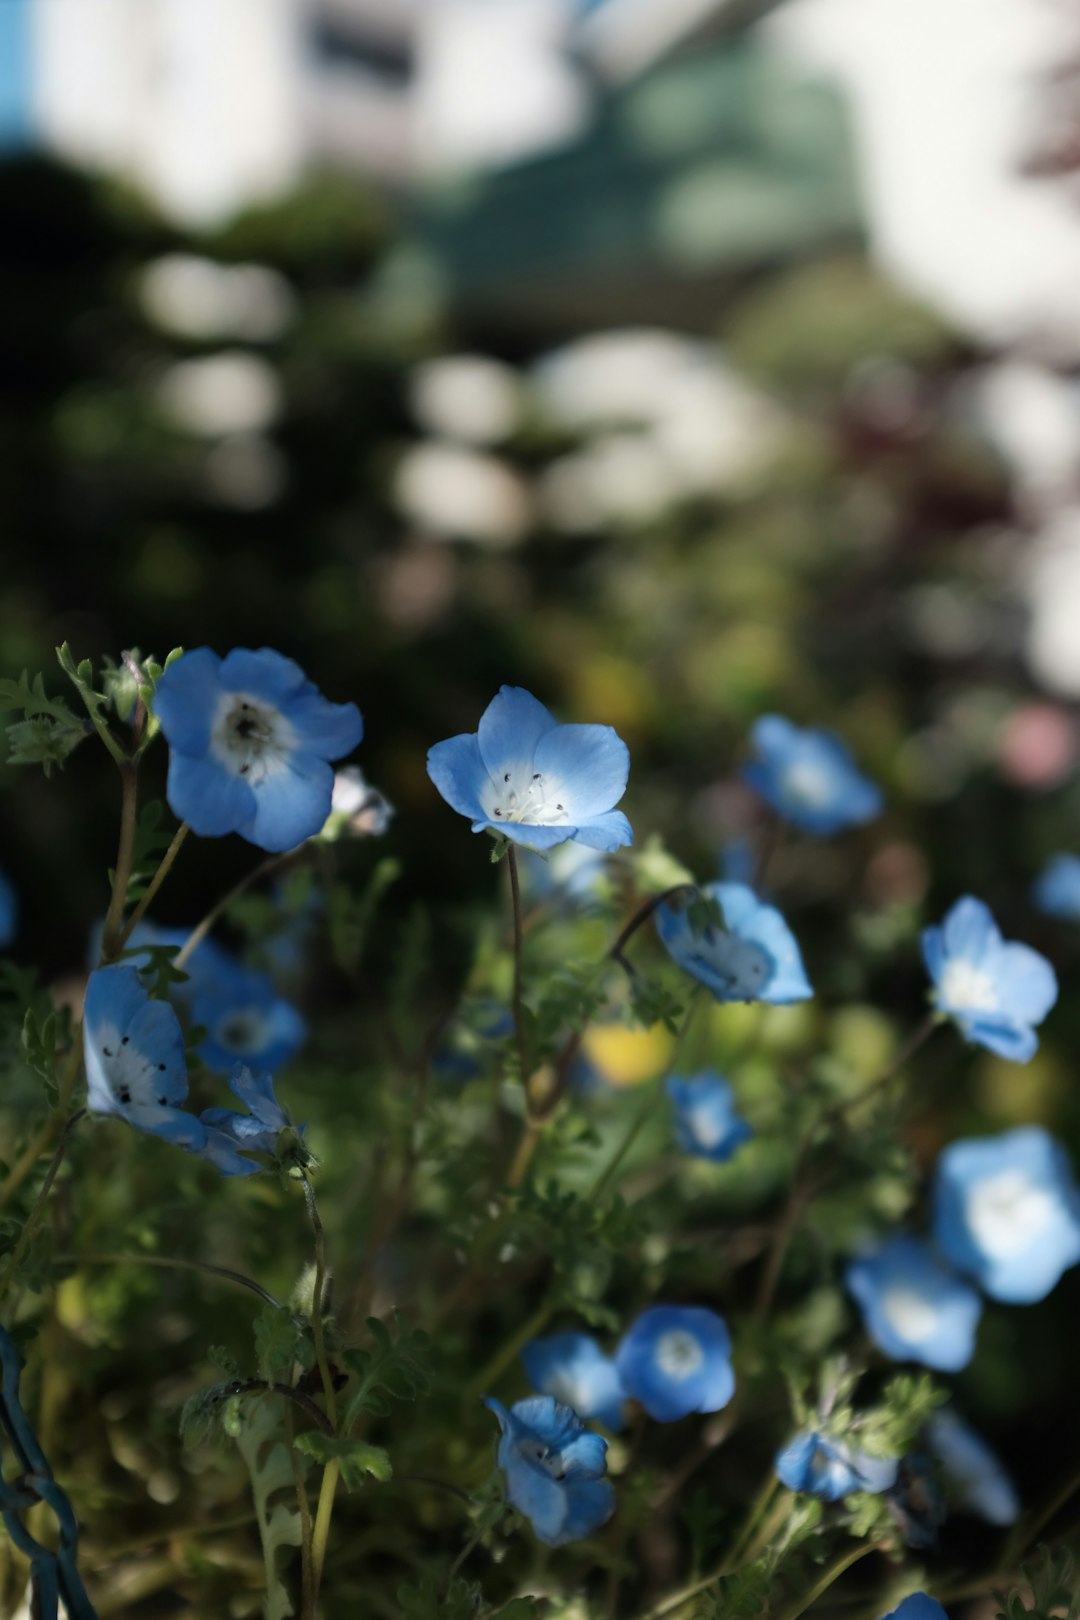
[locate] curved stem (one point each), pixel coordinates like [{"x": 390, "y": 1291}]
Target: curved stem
[
  {"x": 513, "y": 1346},
  {"x": 50, "y": 1126},
  {"x": 37, "y": 1209},
  {"x": 170, "y": 1263},
  {"x": 324, "y": 1511},
  {"x": 155, "y": 884},
  {"x": 129, "y": 802},
  {"x": 642, "y": 915},
  {"x": 198, "y": 934},
  {"x": 904, "y": 1053},
  {"x": 649, "y": 1106},
  {"x": 519, "y": 967},
  {"x": 267, "y": 1386},
  {"x": 831, "y": 1574}
]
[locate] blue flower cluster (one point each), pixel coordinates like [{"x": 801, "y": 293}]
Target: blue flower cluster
[
  {"x": 820, "y": 1465},
  {"x": 133, "y": 1048},
  {"x": 809, "y": 777},
  {"x": 994, "y": 991}
]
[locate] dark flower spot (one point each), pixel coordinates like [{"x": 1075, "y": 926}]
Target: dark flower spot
[
  {"x": 162, "y": 1066},
  {"x": 124, "y": 1039},
  {"x": 124, "y": 1094},
  {"x": 106, "y": 1051}
]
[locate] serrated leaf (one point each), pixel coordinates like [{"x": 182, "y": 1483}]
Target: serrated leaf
[
  {"x": 267, "y": 1461},
  {"x": 356, "y": 1459},
  {"x": 397, "y": 1367},
  {"x": 281, "y": 1339}
]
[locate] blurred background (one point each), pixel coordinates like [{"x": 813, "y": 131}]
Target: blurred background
[{"x": 677, "y": 359}]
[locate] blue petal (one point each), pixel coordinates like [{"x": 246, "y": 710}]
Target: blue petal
[
  {"x": 114, "y": 995},
  {"x": 793, "y": 1462},
  {"x": 933, "y": 950},
  {"x": 171, "y": 1124},
  {"x": 788, "y": 982},
  {"x": 969, "y": 929},
  {"x": 1057, "y": 889},
  {"x": 1027, "y": 983},
  {"x": 510, "y": 728},
  {"x": 257, "y": 1091},
  {"x": 590, "y": 1503},
  {"x": 542, "y": 1498},
  {"x": 324, "y": 728},
  {"x": 1016, "y": 1042},
  {"x": 155, "y": 1032},
  {"x": 573, "y": 1368},
  {"x": 608, "y": 832},
  {"x": 919, "y": 1606},
  {"x": 771, "y": 734},
  {"x": 589, "y": 765},
  {"x": 209, "y": 798},
  {"x": 265, "y": 674},
  {"x": 290, "y": 805},
  {"x": 186, "y": 700},
  {"x": 222, "y": 1152},
  {"x": 528, "y": 836},
  {"x": 457, "y": 771}
]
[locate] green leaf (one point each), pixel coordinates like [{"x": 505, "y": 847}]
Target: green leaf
[
  {"x": 356, "y": 1459},
  {"x": 281, "y": 1340},
  {"x": 397, "y": 1367},
  {"x": 267, "y": 1461}
]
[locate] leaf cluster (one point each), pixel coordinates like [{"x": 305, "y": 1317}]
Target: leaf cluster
[
  {"x": 49, "y": 730},
  {"x": 397, "y": 1367}
]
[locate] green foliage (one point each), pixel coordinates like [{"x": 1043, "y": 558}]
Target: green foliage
[
  {"x": 267, "y": 1460},
  {"x": 282, "y": 1339},
  {"x": 49, "y": 731},
  {"x": 1054, "y": 1582},
  {"x": 152, "y": 839},
  {"x": 908, "y": 1402},
  {"x": 742, "y": 1595},
  {"x": 355, "y": 1458},
  {"x": 350, "y": 913},
  {"x": 397, "y": 1368}
]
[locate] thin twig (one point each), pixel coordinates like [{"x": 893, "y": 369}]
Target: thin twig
[
  {"x": 155, "y": 883},
  {"x": 173, "y": 1263},
  {"x": 199, "y": 933}
]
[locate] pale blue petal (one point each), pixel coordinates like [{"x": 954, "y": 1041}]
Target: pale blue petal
[
  {"x": 1026, "y": 982},
  {"x": 590, "y": 1503},
  {"x": 969, "y": 929},
  {"x": 457, "y": 770},
  {"x": 529, "y": 837},
  {"x": 186, "y": 699},
  {"x": 588, "y": 766},
  {"x": 155, "y": 1032},
  {"x": 265, "y": 674},
  {"x": 1016, "y": 1042},
  {"x": 772, "y": 734},
  {"x": 209, "y": 798},
  {"x": 324, "y": 728},
  {"x": 510, "y": 728},
  {"x": 292, "y": 805},
  {"x": 607, "y": 833}
]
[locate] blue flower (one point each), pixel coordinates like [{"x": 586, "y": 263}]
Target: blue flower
[
  {"x": 134, "y": 1053},
  {"x": 973, "y": 1471},
  {"x": 9, "y": 912},
  {"x": 914, "y": 1308},
  {"x": 536, "y": 782},
  {"x": 752, "y": 957},
  {"x": 809, "y": 777},
  {"x": 919, "y": 1606},
  {"x": 573, "y": 1368},
  {"x": 1007, "y": 1212},
  {"x": 1057, "y": 888},
  {"x": 231, "y": 1135},
  {"x": 706, "y": 1123},
  {"x": 245, "y": 1019},
  {"x": 813, "y": 1463},
  {"x": 249, "y": 741},
  {"x": 677, "y": 1359},
  {"x": 206, "y": 962},
  {"x": 554, "y": 1469},
  {"x": 996, "y": 992}
]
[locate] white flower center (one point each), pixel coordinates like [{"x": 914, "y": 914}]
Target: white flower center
[
  {"x": 707, "y": 1125},
  {"x": 245, "y": 1030},
  {"x": 571, "y": 1390},
  {"x": 745, "y": 966},
  {"x": 250, "y": 737},
  {"x": 133, "y": 1079},
  {"x": 522, "y": 794},
  {"x": 910, "y": 1314},
  {"x": 968, "y": 987},
  {"x": 1007, "y": 1211},
  {"x": 809, "y": 784},
  {"x": 678, "y": 1354},
  {"x": 549, "y": 1460}
]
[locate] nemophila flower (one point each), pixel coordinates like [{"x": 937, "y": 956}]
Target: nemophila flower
[
  {"x": 914, "y": 1308},
  {"x": 535, "y": 781},
  {"x": 973, "y": 1472},
  {"x": 1057, "y": 888},
  {"x": 245, "y": 1019},
  {"x": 250, "y": 738},
  {"x": 357, "y": 810},
  {"x": 134, "y": 1053},
  {"x": 809, "y": 777},
  {"x": 554, "y": 1469},
  {"x": 677, "y": 1359},
  {"x": 9, "y": 912},
  {"x": 996, "y": 992},
  {"x": 206, "y": 962},
  {"x": 919, "y": 1606},
  {"x": 574, "y": 872},
  {"x": 231, "y": 1135},
  {"x": 706, "y": 1123},
  {"x": 824, "y": 1467},
  {"x": 751, "y": 957},
  {"x": 573, "y": 1368},
  {"x": 1007, "y": 1212}
]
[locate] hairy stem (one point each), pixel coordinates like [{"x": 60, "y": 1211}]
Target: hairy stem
[
  {"x": 325, "y": 1509},
  {"x": 37, "y": 1209},
  {"x": 831, "y": 1574},
  {"x": 170, "y": 1263},
  {"x": 129, "y": 804},
  {"x": 154, "y": 885},
  {"x": 519, "y": 966}
]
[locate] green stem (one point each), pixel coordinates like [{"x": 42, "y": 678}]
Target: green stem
[
  {"x": 759, "y": 1507},
  {"x": 830, "y": 1575},
  {"x": 50, "y": 1126},
  {"x": 155, "y": 884},
  {"x": 327, "y": 1489},
  {"x": 129, "y": 803},
  {"x": 903, "y": 1055},
  {"x": 1028, "y": 1528},
  {"x": 506, "y": 1353},
  {"x": 519, "y": 968},
  {"x": 307, "y": 1602},
  {"x": 37, "y": 1209},
  {"x": 649, "y": 1106},
  {"x": 198, "y": 934},
  {"x": 169, "y": 1262}
]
